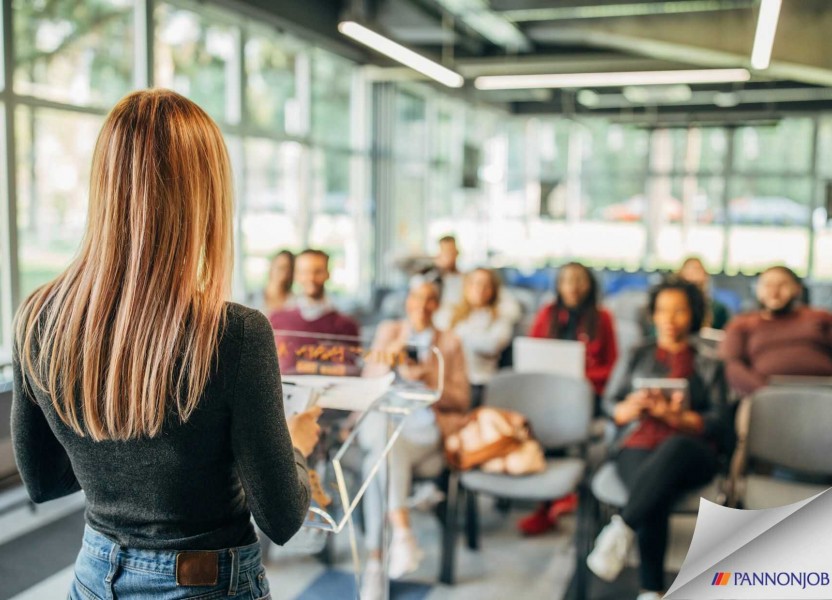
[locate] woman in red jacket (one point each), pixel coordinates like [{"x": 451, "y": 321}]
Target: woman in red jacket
[{"x": 575, "y": 315}]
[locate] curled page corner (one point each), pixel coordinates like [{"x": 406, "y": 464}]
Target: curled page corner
[{"x": 741, "y": 553}]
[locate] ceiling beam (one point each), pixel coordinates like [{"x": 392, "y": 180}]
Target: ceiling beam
[
  {"x": 629, "y": 9},
  {"x": 572, "y": 63},
  {"x": 802, "y": 47}
]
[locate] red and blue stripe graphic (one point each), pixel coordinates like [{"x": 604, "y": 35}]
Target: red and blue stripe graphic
[{"x": 721, "y": 578}]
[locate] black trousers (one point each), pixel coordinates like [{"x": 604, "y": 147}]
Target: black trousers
[
  {"x": 656, "y": 479},
  {"x": 477, "y": 395}
]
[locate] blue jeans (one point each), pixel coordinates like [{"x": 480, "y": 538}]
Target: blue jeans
[{"x": 106, "y": 571}]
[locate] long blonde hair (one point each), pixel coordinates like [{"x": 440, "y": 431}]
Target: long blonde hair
[
  {"x": 134, "y": 322},
  {"x": 464, "y": 308}
]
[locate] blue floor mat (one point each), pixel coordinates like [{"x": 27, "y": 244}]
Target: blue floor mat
[{"x": 340, "y": 585}]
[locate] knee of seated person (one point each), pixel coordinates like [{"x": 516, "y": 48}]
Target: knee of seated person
[{"x": 681, "y": 445}]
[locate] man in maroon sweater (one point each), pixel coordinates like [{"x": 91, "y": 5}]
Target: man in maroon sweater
[
  {"x": 315, "y": 315},
  {"x": 783, "y": 338}
]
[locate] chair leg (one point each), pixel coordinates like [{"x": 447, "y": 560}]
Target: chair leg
[
  {"x": 503, "y": 506},
  {"x": 583, "y": 542},
  {"x": 449, "y": 531},
  {"x": 472, "y": 520},
  {"x": 327, "y": 554}
]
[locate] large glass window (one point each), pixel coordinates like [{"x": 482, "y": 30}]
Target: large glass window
[
  {"x": 769, "y": 220},
  {"x": 273, "y": 212},
  {"x": 54, "y": 154},
  {"x": 74, "y": 52},
  {"x": 613, "y": 199},
  {"x": 331, "y": 91},
  {"x": 785, "y": 147},
  {"x": 272, "y": 70},
  {"x": 684, "y": 207},
  {"x": 340, "y": 219},
  {"x": 410, "y": 141},
  {"x": 194, "y": 55}
]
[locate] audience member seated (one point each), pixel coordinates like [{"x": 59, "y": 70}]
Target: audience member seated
[
  {"x": 445, "y": 268},
  {"x": 717, "y": 314},
  {"x": 574, "y": 315},
  {"x": 278, "y": 292},
  {"x": 782, "y": 338},
  {"x": 667, "y": 446},
  {"x": 313, "y": 313},
  {"x": 421, "y": 441},
  {"x": 481, "y": 327}
]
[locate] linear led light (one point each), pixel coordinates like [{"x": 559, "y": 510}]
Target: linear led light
[
  {"x": 399, "y": 53},
  {"x": 617, "y": 79},
  {"x": 764, "y": 37}
]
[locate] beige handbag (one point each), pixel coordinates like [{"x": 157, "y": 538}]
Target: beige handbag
[{"x": 497, "y": 441}]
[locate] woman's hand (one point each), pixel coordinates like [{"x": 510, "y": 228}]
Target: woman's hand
[
  {"x": 413, "y": 371},
  {"x": 632, "y": 407},
  {"x": 304, "y": 430},
  {"x": 673, "y": 413}
]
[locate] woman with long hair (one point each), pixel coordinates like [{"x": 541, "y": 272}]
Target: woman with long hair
[
  {"x": 278, "y": 292},
  {"x": 692, "y": 269},
  {"x": 135, "y": 381},
  {"x": 575, "y": 315},
  {"x": 484, "y": 332}
]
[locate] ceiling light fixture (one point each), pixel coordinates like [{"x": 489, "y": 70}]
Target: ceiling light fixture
[
  {"x": 618, "y": 79},
  {"x": 399, "y": 53},
  {"x": 764, "y": 37}
]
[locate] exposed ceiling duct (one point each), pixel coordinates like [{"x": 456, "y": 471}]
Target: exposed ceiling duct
[{"x": 498, "y": 30}]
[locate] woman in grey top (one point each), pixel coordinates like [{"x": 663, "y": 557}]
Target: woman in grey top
[{"x": 137, "y": 382}]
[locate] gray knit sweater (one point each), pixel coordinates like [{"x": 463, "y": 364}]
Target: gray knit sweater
[{"x": 194, "y": 486}]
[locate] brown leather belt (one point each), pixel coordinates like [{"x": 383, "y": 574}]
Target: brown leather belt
[{"x": 197, "y": 568}]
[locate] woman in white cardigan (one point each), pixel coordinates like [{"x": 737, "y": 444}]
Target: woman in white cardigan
[{"x": 483, "y": 327}]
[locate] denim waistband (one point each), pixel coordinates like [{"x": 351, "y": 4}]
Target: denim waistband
[{"x": 164, "y": 561}]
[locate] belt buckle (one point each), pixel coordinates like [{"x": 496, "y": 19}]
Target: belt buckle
[{"x": 197, "y": 568}]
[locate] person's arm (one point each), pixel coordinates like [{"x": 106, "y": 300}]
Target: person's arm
[
  {"x": 490, "y": 341},
  {"x": 41, "y": 460},
  {"x": 456, "y": 394},
  {"x": 620, "y": 384},
  {"x": 540, "y": 326},
  {"x": 599, "y": 373},
  {"x": 273, "y": 473},
  {"x": 739, "y": 373}
]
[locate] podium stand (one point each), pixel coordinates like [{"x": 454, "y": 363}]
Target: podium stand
[{"x": 337, "y": 369}]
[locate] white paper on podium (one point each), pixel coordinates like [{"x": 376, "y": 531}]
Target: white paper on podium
[{"x": 342, "y": 393}]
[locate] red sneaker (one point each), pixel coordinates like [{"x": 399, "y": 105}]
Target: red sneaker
[
  {"x": 562, "y": 506},
  {"x": 538, "y": 522}
]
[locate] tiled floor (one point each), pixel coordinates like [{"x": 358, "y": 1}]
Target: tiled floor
[{"x": 506, "y": 567}]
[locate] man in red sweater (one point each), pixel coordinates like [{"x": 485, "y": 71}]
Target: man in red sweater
[
  {"x": 783, "y": 338},
  {"x": 314, "y": 314}
]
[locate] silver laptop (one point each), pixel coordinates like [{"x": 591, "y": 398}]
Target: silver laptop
[{"x": 559, "y": 357}]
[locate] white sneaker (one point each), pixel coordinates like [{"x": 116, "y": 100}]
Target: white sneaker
[
  {"x": 405, "y": 554},
  {"x": 372, "y": 581},
  {"x": 649, "y": 596},
  {"x": 425, "y": 496},
  {"x": 611, "y": 547}
]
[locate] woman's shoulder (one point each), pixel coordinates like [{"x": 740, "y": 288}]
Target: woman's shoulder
[
  {"x": 642, "y": 350},
  {"x": 241, "y": 319},
  {"x": 605, "y": 316}
]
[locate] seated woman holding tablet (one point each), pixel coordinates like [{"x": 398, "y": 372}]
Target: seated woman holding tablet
[{"x": 669, "y": 402}]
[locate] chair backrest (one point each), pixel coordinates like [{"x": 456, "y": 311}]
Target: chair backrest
[
  {"x": 790, "y": 427},
  {"x": 559, "y": 409},
  {"x": 628, "y": 334},
  {"x": 629, "y": 305}
]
